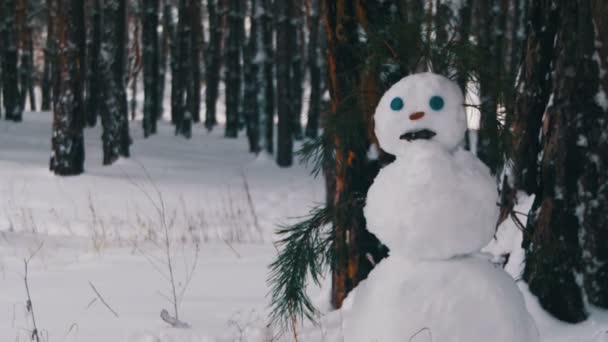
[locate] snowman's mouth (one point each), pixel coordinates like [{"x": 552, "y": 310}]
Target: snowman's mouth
[{"x": 423, "y": 134}]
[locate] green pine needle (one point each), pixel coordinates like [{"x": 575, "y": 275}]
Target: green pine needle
[{"x": 303, "y": 251}]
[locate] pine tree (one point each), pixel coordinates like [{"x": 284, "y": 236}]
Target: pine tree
[
  {"x": 68, "y": 111},
  {"x": 150, "y": 59},
  {"x": 114, "y": 111},
  {"x": 165, "y": 47}
]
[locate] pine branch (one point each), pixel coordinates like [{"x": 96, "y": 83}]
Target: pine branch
[{"x": 303, "y": 253}]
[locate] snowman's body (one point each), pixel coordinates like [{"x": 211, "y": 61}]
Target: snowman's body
[
  {"x": 435, "y": 207},
  {"x": 458, "y": 300}
]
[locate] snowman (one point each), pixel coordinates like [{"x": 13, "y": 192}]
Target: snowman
[{"x": 435, "y": 207}]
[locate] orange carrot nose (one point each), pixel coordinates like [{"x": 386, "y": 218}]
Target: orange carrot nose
[{"x": 416, "y": 116}]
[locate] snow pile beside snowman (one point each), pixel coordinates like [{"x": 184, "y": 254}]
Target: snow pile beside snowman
[{"x": 435, "y": 208}]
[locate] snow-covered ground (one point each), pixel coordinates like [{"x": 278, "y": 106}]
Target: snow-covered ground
[{"x": 93, "y": 239}]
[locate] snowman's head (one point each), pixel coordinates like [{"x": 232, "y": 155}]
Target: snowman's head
[{"x": 422, "y": 106}]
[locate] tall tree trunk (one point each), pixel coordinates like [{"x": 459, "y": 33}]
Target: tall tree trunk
[
  {"x": 114, "y": 112},
  {"x": 296, "y": 89},
  {"x": 150, "y": 59},
  {"x": 136, "y": 65},
  {"x": 491, "y": 38},
  {"x": 595, "y": 223},
  {"x": 213, "y": 58},
  {"x": 314, "y": 66},
  {"x": 183, "y": 113},
  {"x": 68, "y": 119},
  {"x": 286, "y": 36},
  {"x": 349, "y": 176},
  {"x": 269, "y": 92},
  {"x": 95, "y": 78},
  {"x": 197, "y": 44},
  {"x": 165, "y": 47},
  {"x": 251, "y": 59},
  {"x": 233, "y": 69},
  {"x": 565, "y": 260},
  {"x": 10, "y": 75},
  {"x": 49, "y": 57}
]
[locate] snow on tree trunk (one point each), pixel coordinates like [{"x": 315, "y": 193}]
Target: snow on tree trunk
[
  {"x": 566, "y": 259},
  {"x": 67, "y": 156}
]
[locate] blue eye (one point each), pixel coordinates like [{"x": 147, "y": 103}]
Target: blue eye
[
  {"x": 397, "y": 104},
  {"x": 436, "y": 103}
]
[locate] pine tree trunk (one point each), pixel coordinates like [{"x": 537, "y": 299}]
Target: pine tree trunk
[
  {"x": 595, "y": 224},
  {"x": 49, "y": 57},
  {"x": 183, "y": 113},
  {"x": 296, "y": 90},
  {"x": 95, "y": 79},
  {"x": 314, "y": 66},
  {"x": 233, "y": 69},
  {"x": 254, "y": 77},
  {"x": 196, "y": 46},
  {"x": 491, "y": 38},
  {"x": 269, "y": 111},
  {"x": 286, "y": 36},
  {"x": 214, "y": 63},
  {"x": 150, "y": 60},
  {"x": 567, "y": 220},
  {"x": 114, "y": 111},
  {"x": 351, "y": 174},
  {"x": 68, "y": 115},
  {"x": 10, "y": 75},
  {"x": 165, "y": 46}
]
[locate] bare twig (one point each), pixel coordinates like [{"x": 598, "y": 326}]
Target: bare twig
[
  {"x": 250, "y": 202},
  {"x": 103, "y": 300},
  {"x": 420, "y": 332},
  {"x": 35, "y": 336}
]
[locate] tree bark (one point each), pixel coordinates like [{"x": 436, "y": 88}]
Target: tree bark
[
  {"x": 286, "y": 36},
  {"x": 68, "y": 116},
  {"x": 233, "y": 69},
  {"x": 10, "y": 74},
  {"x": 214, "y": 63},
  {"x": 269, "y": 110},
  {"x": 150, "y": 60},
  {"x": 314, "y": 67},
  {"x": 565, "y": 260},
  {"x": 114, "y": 111},
  {"x": 351, "y": 133},
  {"x": 95, "y": 79}
]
